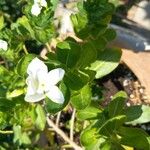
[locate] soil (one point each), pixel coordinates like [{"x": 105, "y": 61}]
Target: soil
[{"x": 122, "y": 78}]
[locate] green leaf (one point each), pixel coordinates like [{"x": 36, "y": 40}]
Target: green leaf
[
  {"x": 17, "y": 134},
  {"x": 3, "y": 91},
  {"x": 20, "y": 137},
  {"x": 54, "y": 3},
  {"x": 52, "y": 107},
  {"x": 6, "y": 105},
  {"x": 82, "y": 98},
  {"x": 5, "y": 75},
  {"x": 109, "y": 145},
  {"x": 25, "y": 139},
  {"x": 1, "y": 22},
  {"x": 133, "y": 113},
  {"x": 88, "y": 55},
  {"x": 41, "y": 118},
  {"x": 3, "y": 120},
  {"x": 86, "y": 137},
  {"x": 117, "y": 104},
  {"x": 76, "y": 80},
  {"x": 99, "y": 43},
  {"x": 100, "y": 131},
  {"x": 23, "y": 64},
  {"x": 93, "y": 111},
  {"x": 134, "y": 137},
  {"x": 90, "y": 73},
  {"x": 68, "y": 53},
  {"x": 80, "y": 19},
  {"x": 110, "y": 34},
  {"x": 43, "y": 35},
  {"x": 106, "y": 62},
  {"x": 24, "y": 22},
  {"x": 112, "y": 125},
  {"x": 92, "y": 132},
  {"x": 143, "y": 112}
]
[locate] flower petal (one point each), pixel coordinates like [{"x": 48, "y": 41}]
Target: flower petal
[
  {"x": 31, "y": 89},
  {"x": 36, "y": 65},
  {"x": 3, "y": 45},
  {"x": 34, "y": 98},
  {"x": 42, "y": 82},
  {"x": 43, "y": 3},
  {"x": 36, "y": 9},
  {"x": 66, "y": 24},
  {"x": 55, "y": 95},
  {"x": 55, "y": 75}
]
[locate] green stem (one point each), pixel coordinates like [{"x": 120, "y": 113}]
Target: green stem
[
  {"x": 25, "y": 50},
  {"x": 72, "y": 124},
  {"x": 48, "y": 47},
  {"x": 67, "y": 146},
  {"x": 6, "y": 132}
]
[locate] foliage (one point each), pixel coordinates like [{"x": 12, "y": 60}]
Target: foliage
[{"x": 83, "y": 61}]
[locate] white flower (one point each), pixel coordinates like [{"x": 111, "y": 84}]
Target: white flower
[
  {"x": 42, "y": 83},
  {"x": 66, "y": 23},
  {"x": 43, "y": 3},
  {"x": 3, "y": 45},
  {"x": 36, "y": 9},
  {"x": 37, "y": 6}
]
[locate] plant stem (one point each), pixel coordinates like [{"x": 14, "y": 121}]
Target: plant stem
[
  {"x": 62, "y": 134},
  {"x": 48, "y": 47},
  {"x": 58, "y": 118},
  {"x": 72, "y": 124},
  {"x": 25, "y": 50},
  {"x": 67, "y": 146},
  {"x": 6, "y": 132}
]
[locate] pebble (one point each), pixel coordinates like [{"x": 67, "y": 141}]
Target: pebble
[
  {"x": 126, "y": 82},
  {"x": 132, "y": 96},
  {"x": 128, "y": 104},
  {"x": 141, "y": 90}
]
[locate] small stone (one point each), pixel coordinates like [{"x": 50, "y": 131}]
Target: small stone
[
  {"x": 144, "y": 97},
  {"x": 126, "y": 82},
  {"x": 128, "y": 104},
  {"x": 141, "y": 90},
  {"x": 132, "y": 96},
  {"x": 111, "y": 97}
]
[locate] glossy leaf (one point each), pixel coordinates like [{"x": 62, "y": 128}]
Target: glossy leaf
[
  {"x": 138, "y": 115},
  {"x": 90, "y": 112},
  {"x": 88, "y": 55},
  {"x": 134, "y": 113},
  {"x": 76, "y": 80},
  {"x": 68, "y": 53},
  {"x": 134, "y": 137},
  {"x": 19, "y": 136},
  {"x": 112, "y": 125},
  {"x": 106, "y": 62},
  {"x": 117, "y": 104},
  {"x": 82, "y": 98},
  {"x": 86, "y": 141}
]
